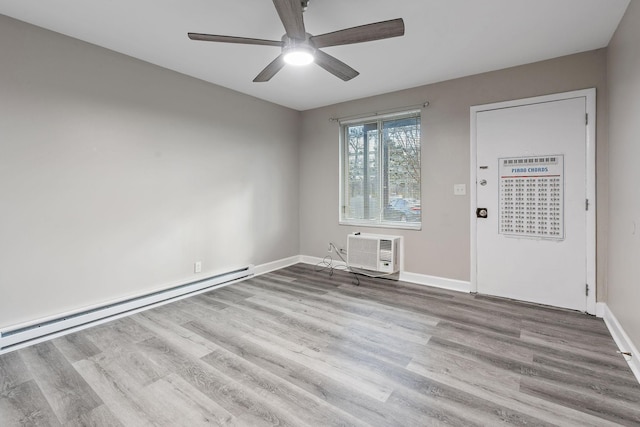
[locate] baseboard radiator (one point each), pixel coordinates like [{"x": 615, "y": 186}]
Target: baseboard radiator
[{"x": 21, "y": 336}]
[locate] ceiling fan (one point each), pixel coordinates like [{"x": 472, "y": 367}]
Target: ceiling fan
[{"x": 300, "y": 48}]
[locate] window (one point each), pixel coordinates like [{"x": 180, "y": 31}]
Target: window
[{"x": 380, "y": 171}]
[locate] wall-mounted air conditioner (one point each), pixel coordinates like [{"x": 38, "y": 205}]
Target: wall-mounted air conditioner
[{"x": 373, "y": 252}]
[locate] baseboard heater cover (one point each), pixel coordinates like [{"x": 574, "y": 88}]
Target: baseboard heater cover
[{"x": 38, "y": 331}]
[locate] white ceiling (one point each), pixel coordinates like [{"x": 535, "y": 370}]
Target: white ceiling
[{"x": 444, "y": 39}]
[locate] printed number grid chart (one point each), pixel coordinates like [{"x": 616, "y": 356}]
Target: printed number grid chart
[{"x": 532, "y": 197}]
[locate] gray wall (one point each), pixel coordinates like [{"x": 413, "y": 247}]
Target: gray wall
[
  {"x": 116, "y": 175},
  {"x": 441, "y": 248},
  {"x": 624, "y": 177}
]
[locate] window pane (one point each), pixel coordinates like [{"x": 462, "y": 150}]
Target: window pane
[
  {"x": 362, "y": 172},
  {"x": 401, "y": 139}
]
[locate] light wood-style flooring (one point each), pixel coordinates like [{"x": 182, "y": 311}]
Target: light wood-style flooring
[{"x": 300, "y": 348}]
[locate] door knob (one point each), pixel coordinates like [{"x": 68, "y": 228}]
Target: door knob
[{"x": 482, "y": 212}]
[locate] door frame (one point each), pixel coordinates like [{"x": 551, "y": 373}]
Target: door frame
[{"x": 590, "y": 97}]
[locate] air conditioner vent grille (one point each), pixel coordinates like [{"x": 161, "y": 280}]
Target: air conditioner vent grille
[
  {"x": 373, "y": 252},
  {"x": 386, "y": 255}
]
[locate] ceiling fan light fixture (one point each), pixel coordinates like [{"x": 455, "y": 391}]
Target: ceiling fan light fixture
[
  {"x": 299, "y": 54},
  {"x": 298, "y": 57}
]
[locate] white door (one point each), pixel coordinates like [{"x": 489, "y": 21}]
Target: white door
[{"x": 531, "y": 170}]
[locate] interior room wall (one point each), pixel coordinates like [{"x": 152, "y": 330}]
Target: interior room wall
[
  {"x": 624, "y": 177},
  {"x": 442, "y": 247},
  {"x": 117, "y": 175}
]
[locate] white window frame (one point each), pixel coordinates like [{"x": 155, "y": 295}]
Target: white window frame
[{"x": 343, "y": 172}]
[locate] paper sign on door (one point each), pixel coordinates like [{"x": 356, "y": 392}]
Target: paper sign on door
[{"x": 532, "y": 196}]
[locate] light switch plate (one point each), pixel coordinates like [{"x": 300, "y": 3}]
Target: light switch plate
[{"x": 460, "y": 189}]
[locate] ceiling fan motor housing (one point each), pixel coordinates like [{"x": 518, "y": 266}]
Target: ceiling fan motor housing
[{"x": 298, "y": 48}]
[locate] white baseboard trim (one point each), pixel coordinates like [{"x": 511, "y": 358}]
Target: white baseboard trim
[
  {"x": 436, "y": 282},
  {"x": 306, "y": 259},
  {"x": 275, "y": 265},
  {"x": 622, "y": 340}
]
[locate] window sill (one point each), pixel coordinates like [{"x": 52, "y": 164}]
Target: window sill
[{"x": 417, "y": 226}]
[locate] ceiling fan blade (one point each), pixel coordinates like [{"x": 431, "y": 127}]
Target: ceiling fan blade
[
  {"x": 270, "y": 70},
  {"x": 363, "y": 33},
  {"x": 335, "y": 66},
  {"x": 290, "y": 12},
  {"x": 232, "y": 39}
]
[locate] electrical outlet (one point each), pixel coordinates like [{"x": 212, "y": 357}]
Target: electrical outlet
[
  {"x": 197, "y": 267},
  {"x": 460, "y": 189}
]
